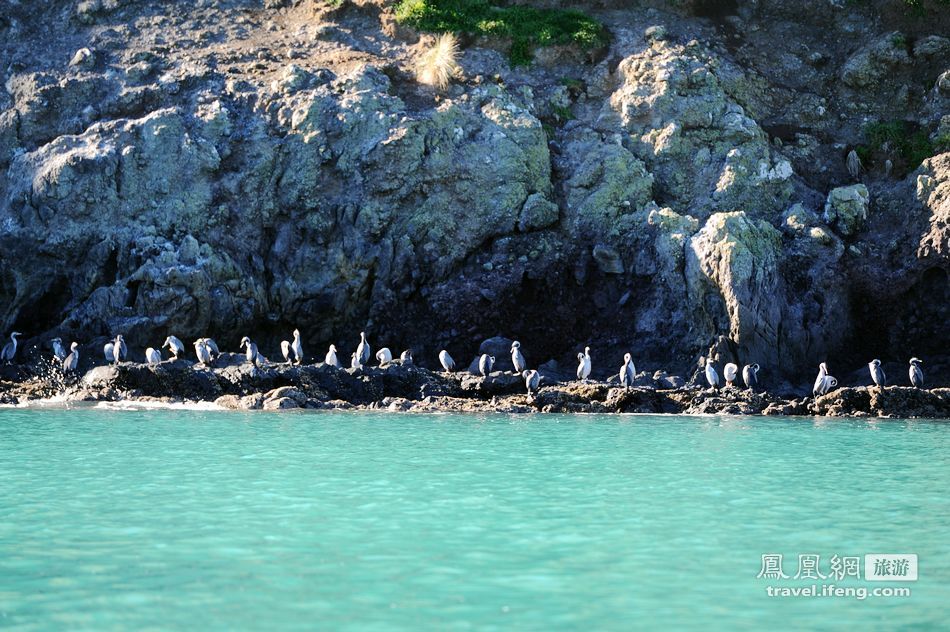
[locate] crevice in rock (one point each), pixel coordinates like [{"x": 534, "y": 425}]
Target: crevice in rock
[{"x": 45, "y": 312}]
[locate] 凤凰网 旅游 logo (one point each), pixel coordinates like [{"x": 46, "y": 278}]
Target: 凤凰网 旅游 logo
[{"x": 824, "y": 571}]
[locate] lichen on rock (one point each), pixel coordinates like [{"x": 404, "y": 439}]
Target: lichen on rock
[{"x": 847, "y": 208}]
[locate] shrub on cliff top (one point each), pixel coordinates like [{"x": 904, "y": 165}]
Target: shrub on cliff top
[{"x": 527, "y": 27}]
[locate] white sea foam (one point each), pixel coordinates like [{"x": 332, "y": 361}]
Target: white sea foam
[
  {"x": 148, "y": 405},
  {"x": 62, "y": 401}
]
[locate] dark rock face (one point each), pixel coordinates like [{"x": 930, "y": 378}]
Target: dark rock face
[{"x": 697, "y": 202}]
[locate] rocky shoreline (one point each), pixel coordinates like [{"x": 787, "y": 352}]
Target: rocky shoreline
[{"x": 234, "y": 384}]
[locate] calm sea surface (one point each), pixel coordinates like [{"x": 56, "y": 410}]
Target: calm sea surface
[{"x": 195, "y": 519}]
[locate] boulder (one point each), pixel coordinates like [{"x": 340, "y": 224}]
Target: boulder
[
  {"x": 873, "y": 63},
  {"x": 847, "y": 208}
]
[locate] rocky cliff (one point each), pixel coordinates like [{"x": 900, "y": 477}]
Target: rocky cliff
[{"x": 232, "y": 167}]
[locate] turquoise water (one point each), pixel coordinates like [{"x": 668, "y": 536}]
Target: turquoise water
[{"x": 191, "y": 519}]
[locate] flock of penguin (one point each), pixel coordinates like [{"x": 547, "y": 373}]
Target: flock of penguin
[{"x": 206, "y": 351}]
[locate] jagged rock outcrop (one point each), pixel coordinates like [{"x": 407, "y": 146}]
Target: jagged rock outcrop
[
  {"x": 278, "y": 168},
  {"x": 876, "y": 61},
  {"x": 136, "y": 222},
  {"x": 703, "y": 149},
  {"x": 933, "y": 192}
]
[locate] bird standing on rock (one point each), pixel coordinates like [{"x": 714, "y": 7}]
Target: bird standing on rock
[
  {"x": 175, "y": 346},
  {"x": 212, "y": 346},
  {"x": 119, "y": 350},
  {"x": 829, "y": 382},
  {"x": 819, "y": 387},
  {"x": 517, "y": 359},
  {"x": 406, "y": 357},
  {"x": 71, "y": 363},
  {"x": 203, "y": 351},
  {"x": 729, "y": 372},
  {"x": 331, "y": 359},
  {"x": 877, "y": 372},
  {"x": 363, "y": 350},
  {"x": 355, "y": 361},
  {"x": 485, "y": 364},
  {"x": 153, "y": 356},
  {"x": 286, "y": 351},
  {"x": 58, "y": 352},
  {"x": 628, "y": 372},
  {"x": 297, "y": 347},
  {"x": 916, "y": 375},
  {"x": 251, "y": 351},
  {"x": 448, "y": 364},
  {"x": 750, "y": 375},
  {"x": 712, "y": 377},
  {"x": 583, "y": 364},
  {"x": 532, "y": 379},
  {"x": 9, "y": 349},
  {"x": 384, "y": 356}
]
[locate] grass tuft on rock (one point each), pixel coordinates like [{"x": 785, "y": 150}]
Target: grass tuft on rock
[
  {"x": 527, "y": 27},
  {"x": 903, "y": 141},
  {"x": 437, "y": 65}
]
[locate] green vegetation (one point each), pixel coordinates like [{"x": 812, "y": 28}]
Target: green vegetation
[
  {"x": 919, "y": 4},
  {"x": 918, "y": 8},
  {"x": 903, "y": 141},
  {"x": 574, "y": 86},
  {"x": 527, "y": 27},
  {"x": 563, "y": 113}
]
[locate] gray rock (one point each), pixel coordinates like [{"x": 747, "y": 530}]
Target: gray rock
[
  {"x": 847, "y": 208},
  {"x": 84, "y": 58},
  {"x": 943, "y": 82},
  {"x": 876, "y": 61},
  {"x": 608, "y": 259}
]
